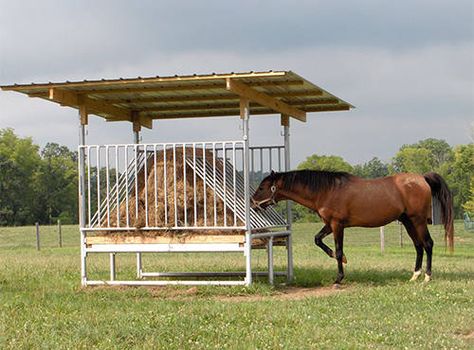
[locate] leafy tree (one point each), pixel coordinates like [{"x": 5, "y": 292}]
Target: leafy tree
[
  {"x": 372, "y": 169},
  {"x": 56, "y": 183},
  {"x": 469, "y": 205},
  {"x": 330, "y": 163},
  {"x": 460, "y": 176},
  {"x": 10, "y": 204},
  {"x": 412, "y": 160},
  {"x": 440, "y": 151},
  {"x": 20, "y": 161}
]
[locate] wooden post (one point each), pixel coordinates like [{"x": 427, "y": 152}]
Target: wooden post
[
  {"x": 37, "y": 236},
  {"x": 60, "y": 235},
  {"x": 382, "y": 239}
]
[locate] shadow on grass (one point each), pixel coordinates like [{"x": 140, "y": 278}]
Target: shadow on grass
[{"x": 318, "y": 277}]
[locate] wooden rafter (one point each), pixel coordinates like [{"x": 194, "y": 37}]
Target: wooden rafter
[
  {"x": 183, "y": 87},
  {"x": 70, "y": 99},
  {"x": 274, "y": 104},
  {"x": 235, "y": 111},
  {"x": 206, "y": 97},
  {"x": 227, "y": 105}
]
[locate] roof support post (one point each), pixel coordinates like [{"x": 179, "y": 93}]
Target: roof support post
[
  {"x": 285, "y": 122},
  {"x": 136, "y": 127},
  {"x": 83, "y": 120},
  {"x": 245, "y": 115}
]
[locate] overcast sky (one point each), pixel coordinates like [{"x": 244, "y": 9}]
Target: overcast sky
[{"x": 408, "y": 66}]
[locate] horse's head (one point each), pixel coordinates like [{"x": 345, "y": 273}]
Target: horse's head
[{"x": 266, "y": 193}]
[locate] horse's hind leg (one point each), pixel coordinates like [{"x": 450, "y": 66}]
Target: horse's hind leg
[
  {"x": 338, "y": 231},
  {"x": 318, "y": 240},
  {"x": 412, "y": 232},
  {"x": 428, "y": 245}
]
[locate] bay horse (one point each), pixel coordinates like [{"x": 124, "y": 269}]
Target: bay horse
[{"x": 343, "y": 200}]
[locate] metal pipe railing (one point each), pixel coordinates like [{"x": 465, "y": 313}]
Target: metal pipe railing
[{"x": 142, "y": 180}]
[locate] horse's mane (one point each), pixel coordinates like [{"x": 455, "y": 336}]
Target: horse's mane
[{"x": 314, "y": 180}]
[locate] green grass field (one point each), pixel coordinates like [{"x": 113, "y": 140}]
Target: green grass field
[{"x": 43, "y": 306}]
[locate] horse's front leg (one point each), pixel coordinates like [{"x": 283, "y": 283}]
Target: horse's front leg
[{"x": 318, "y": 240}]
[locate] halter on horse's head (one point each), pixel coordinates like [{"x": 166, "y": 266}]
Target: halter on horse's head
[{"x": 265, "y": 193}]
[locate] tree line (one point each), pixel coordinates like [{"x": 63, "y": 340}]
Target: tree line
[{"x": 41, "y": 184}]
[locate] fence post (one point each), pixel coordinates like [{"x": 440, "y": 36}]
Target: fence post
[
  {"x": 60, "y": 234},
  {"x": 382, "y": 239},
  {"x": 37, "y": 236}
]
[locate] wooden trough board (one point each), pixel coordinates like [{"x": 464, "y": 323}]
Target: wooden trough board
[{"x": 194, "y": 239}]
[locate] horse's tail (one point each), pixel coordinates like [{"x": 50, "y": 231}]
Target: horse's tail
[{"x": 440, "y": 190}]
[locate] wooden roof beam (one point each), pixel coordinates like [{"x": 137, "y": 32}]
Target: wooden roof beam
[
  {"x": 183, "y": 87},
  {"x": 235, "y": 112},
  {"x": 266, "y": 100},
  {"x": 70, "y": 99},
  {"x": 206, "y": 97},
  {"x": 227, "y": 105}
]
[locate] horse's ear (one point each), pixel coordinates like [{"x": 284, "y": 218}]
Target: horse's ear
[{"x": 272, "y": 174}]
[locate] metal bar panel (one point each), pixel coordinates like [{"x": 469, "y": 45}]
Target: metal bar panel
[
  {"x": 184, "y": 187},
  {"x": 127, "y": 191},
  {"x": 136, "y": 180},
  {"x": 194, "y": 185},
  {"x": 165, "y": 185},
  {"x": 107, "y": 184},
  {"x": 145, "y": 174},
  {"x": 204, "y": 183},
  {"x": 234, "y": 182},
  {"x": 88, "y": 184},
  {"x": 214, "y": 181},
  {"x": 164, "y": 247},
  {"x": 174, "y": 187},
  {"x": 210, "y": 274},
  {"x": 224, "y": 172},
  {"x": 99, "y": 220},
  {"x": 117, "y": 185},
  {"x": 155, "y": 184},
  {"x": 270, "y": 158},
  {"x": 165, "y": 283}
]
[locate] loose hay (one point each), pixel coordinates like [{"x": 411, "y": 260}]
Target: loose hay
[{"x": 162, "y": 209}]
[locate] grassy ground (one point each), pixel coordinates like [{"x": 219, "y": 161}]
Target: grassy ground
[{"x": 43, "y": 306}]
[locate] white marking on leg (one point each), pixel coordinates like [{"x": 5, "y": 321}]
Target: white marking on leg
[
  {"x": 427, "y": 277},
  {"x": 415, "y": 276}
]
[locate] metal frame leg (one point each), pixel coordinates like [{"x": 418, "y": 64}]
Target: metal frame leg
[
  {"x": 270, "y": 260},
  {"x": 289, "y": 252},
  {"x": 248, "y": 259},
  {"x": 139, "y": 266},
  {"x": 112, "y": 266},
  {"x": 83, "y": 260}
]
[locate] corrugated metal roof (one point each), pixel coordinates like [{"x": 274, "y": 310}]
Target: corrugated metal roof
[{"x": 184, "y": 96}]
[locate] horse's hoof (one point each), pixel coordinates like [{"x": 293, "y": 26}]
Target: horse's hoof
[
  {"x": 427, "y": 278},
  {"x": 415, "y": 276},
  {"x": 336, "y": 285}
]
